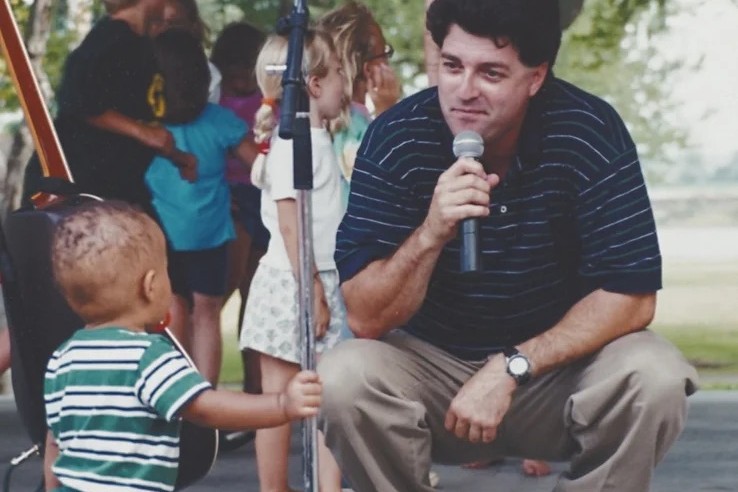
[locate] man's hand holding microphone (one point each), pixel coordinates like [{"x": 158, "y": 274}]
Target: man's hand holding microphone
[{"x": 462, "y": 196}]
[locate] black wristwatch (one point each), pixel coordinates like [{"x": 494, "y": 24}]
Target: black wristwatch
[{"x": 518, "y": 365}]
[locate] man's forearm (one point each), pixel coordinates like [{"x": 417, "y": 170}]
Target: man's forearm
[
  {"x": 388, "y": 292},
  {"x": 590, "y": 324}
]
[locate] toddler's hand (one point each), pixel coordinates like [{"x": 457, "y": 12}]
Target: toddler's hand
[
  {"x": 186, "y": 163},
  {"x": 302, "y": 397}
]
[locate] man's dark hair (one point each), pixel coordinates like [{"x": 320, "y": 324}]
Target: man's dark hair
[
  {"x": 182, "y": 61},
  {"x": 530, "y": 26},
  {"x": 238, "y": 45}
]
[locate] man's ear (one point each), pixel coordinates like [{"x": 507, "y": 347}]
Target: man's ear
[
  {"x": 148, "y": 285},
  {"x": 538, "y": 77},
  {"x": 314, "y": 87}
]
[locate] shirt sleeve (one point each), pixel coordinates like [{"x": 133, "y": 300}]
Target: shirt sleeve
[
  {"x": 94, "y": 79},
  {"x": 167, "y": 381},
  {"x": 52, "y": 395},
  {"x": 279, "y": 170},
  {"x": 231, "y": 129},
  {"x": 620, "y": 250}
]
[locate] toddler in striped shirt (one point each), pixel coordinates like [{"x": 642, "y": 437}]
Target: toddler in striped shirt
[{"x": 114, "y": 393}]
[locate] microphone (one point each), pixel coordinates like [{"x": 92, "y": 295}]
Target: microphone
[{"x": 469, "y": 144}]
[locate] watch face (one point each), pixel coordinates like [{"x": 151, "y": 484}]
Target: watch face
[{"x": 518, "y": 366}]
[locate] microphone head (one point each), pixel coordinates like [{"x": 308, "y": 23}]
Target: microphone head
[{"x": 468, "y": 144}]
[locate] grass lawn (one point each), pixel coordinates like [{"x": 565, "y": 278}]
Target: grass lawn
[{"x": 697, "y": 310}]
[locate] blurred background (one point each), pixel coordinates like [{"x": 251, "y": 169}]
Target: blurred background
[{"x": 669, "y": 67}]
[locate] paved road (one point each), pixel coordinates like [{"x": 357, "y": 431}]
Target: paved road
[{"x": 704, "y": 459}]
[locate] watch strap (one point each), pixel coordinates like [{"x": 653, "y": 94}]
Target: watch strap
[{"x": 510, "y": 351}]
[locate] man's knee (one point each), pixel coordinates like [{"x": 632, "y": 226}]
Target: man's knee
[
  {"x": 347, "y": 372},
  {"x": 658, "y": 374},
  {"x": 638, "y": 374}
]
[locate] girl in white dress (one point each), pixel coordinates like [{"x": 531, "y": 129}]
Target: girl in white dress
[{"x": 270, "y": 324}]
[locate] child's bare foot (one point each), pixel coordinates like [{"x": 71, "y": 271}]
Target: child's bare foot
[{"x": 536, "y": 468}]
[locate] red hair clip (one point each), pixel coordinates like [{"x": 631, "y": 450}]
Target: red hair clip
[
  {"x": 263, "y": 146},
  {"x": 271, "y": 102}
]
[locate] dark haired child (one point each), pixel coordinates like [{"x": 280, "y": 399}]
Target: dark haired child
[
  {"x": 114, "y": 393},
  {"x": 110, "y": 106},
  {"x": 196, "y": 216}
]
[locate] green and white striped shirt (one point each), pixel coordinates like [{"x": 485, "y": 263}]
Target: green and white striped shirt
[{"x": 112, "y": 398}]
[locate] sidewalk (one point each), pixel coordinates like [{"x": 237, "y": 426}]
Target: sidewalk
[{"x": 705, "y": 458}]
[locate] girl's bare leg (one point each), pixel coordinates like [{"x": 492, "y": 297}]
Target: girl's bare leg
[{"x": 273, "y": 445}]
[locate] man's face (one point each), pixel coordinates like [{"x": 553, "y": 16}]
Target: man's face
[{"x": 485, "y": 88}]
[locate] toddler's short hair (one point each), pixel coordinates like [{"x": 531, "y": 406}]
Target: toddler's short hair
[{"x": 100, "y": 254}]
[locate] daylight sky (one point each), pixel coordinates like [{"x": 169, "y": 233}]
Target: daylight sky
[{"x": 707, "y": 28}]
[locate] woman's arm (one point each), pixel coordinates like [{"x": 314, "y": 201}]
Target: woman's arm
[{"x": 156, "y": 137}]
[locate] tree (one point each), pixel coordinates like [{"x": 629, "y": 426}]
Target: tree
[
  {"x": 607, "y": 50},
  {"x": 37, "y": 32},
  {"x": 610, "y": 50}
]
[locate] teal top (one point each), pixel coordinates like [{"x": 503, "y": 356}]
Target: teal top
[
  {"x": 197, "y": 215},
  {"x": 346, "y": 143}
]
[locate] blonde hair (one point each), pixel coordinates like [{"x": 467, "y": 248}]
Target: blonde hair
[
  {"x": 318, "y": 50},
  {"x": 100, "y": 254},
  {"x": 349, "y": 25}
]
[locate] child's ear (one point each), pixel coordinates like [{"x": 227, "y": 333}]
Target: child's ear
[
  {"x": 313, "y": 86},
  {"x": 148, "y": 285}
]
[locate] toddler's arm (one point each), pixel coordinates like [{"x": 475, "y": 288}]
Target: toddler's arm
[
  {"x": 232, "y": 410},
  {"x": 51, "y": 452},
  {"x": 287, "y": 217}
]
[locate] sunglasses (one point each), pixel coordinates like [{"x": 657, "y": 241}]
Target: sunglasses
[{"x": 386, "y": 53}]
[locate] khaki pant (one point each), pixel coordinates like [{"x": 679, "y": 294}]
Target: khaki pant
[{"x": 613, "y": 415}]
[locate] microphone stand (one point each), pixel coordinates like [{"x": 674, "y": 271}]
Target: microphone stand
[{"x": 294, "y": 123}]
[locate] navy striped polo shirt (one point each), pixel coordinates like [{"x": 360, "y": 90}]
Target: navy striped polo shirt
[{"x": 571, "y": 216}]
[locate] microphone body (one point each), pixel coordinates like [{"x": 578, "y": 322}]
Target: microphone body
[{"x": 469, "y": 144}]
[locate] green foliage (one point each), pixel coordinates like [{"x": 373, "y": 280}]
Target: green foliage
[
  {"x": 711, "y": 349},
  {"x": 60, "y": 40},
  {"x": 8, "y": 98},
  {"x": 610, "y": 51},
  {"x": 402, "y": 21}
]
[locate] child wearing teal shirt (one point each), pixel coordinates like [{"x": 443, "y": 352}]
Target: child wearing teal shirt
[{"x": 195, "y": 216}]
